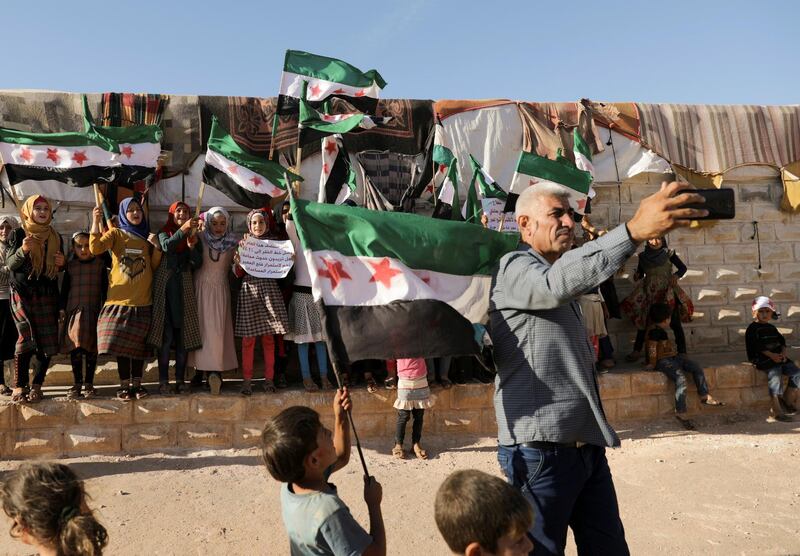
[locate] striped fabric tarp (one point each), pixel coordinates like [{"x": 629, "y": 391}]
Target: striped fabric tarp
[{"x": 716, "y": 138}]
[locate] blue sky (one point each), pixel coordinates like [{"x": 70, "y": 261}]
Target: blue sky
[{"x": 704, "y": 51}]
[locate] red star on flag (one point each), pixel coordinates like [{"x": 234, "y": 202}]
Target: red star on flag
[
  {"x": 442, "y": 168},
  {"x": 383, "y": 272},
  {"x": 424, "y": 277},
  {"x": 429, "y": 188},
  {"x": 338, "y": 91},
  {"x": 52, "y": 154},
  {"x": 532, "y": 182},
  {"x": 26, "y": 155},
  {"x": 256, "y": 181},
  {"x": 315, "y": 90},
  {"x": 325, "y": 169},
  {"x": 330, "y": 146},
  {"x": 233, "y": 169},
  {"x": 581, "y": 204},
  {"x": 360, "y": 93},
  {"x": 80, "y": 157},
  {"x": 127, "y": 150},
  {"x": 334, "y": 271}
]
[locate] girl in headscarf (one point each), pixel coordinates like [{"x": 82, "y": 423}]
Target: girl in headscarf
[
  {"x": 213, "y": 294},
  {"x": 174, "y": 322},
  {"x": 8, "y": 329},
  {"x": 125, "y": 317},
  {"x": 34, "y": 267},
  {"x": 260, "y": 311},
  {"x": 657, "y": 283}
]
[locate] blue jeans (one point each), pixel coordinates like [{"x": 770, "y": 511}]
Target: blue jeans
[
  {"x": 674, "y": 368},
  {"x": 567, "y": 487},
  {"x": 775, "y": 374}
]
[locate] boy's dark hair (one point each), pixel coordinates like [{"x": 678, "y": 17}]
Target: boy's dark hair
[
  {"x": 48, "y": 501},
  {"x": 286, "y": 441},
  {"x": 659, "y": 312},
  {"x": 473, "y": 506}
]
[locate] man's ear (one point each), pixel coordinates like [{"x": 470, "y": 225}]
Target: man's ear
[
  {"x": 522, "y": 220},
  {"x": 473, "y": 548}
]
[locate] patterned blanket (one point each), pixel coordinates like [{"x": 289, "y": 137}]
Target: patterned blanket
[{"x": 548, "y": 127}]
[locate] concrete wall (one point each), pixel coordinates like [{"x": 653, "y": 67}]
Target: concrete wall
[
  {"x": 723, "y": 276},
  {"x": 57, "y": 427}
]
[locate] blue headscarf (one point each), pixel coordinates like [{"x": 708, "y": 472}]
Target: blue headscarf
[{"x": 141, "y": 230}]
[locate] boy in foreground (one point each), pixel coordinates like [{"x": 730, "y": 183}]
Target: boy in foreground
[
  {"x": 482, "y": 515},
  {"x": 301, "y": 453}
]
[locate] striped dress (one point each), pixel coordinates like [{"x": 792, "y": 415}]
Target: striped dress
[{"x": 412, "y": 385}]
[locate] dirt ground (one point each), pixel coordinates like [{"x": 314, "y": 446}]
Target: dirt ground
[{"x": 732, "y": 487}]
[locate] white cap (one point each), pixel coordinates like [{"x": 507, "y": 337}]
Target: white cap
[{"x": 764, "y": 302}]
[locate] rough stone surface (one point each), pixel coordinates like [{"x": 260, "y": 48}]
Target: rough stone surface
[
  {"x": 217, "y": 408},
  {"x": 92, "y": 440},
  {"x": 147, "y": 438},
  {"x": 104, "y": 412},
  {"x": 47, "y": 413},
  {"x": 205, "y": 435},
  {"x": 37, "y": 442},
  {"x": 159, "y": 410}
]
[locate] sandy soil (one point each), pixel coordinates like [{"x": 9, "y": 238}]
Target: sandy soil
[{"x": 733, "y": 487}]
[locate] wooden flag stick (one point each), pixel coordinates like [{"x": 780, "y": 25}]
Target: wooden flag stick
[
  {"x": 338, "y": 375},
  {"x": 200, "y": 198},
  {"x": 297, "y": 165},
  {"x": 502, "y": 221},
  {"x": 274, "y": 131},
  {"x": 11, "y": 192}
]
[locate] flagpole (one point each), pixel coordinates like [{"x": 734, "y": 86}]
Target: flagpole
[
  {"x": 274, "y": 129},
  {"x": 200, "y": 198},
  {"x": 11, "y": 192},
  {"x": 335, "y": 362},
  {"x": 502, "y": 221}
]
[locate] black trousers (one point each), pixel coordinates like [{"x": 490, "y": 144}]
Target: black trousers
[
  {"x": 22, "y": 363},
  {"x": 403, "y": 415},
  {"x": 129, "y": 368},
  {"x": 76, "y": 360}
]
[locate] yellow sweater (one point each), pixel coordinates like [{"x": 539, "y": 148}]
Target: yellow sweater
[{"x": 133, "y": 261}]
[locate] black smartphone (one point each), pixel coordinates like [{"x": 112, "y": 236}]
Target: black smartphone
[{"x": 720, "y": 203}]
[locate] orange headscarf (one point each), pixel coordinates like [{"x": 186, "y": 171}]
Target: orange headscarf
[{"x": 43, "y": 262}]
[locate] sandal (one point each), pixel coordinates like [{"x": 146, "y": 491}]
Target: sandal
[
  {"x": 390, "y": 383},
  {"x": 215, "y": 383},
  {"x": 89, "y": 392},
  {"x": 688, "y": 424},
  {"x": 5, "y": 390},
  {"x": 74, "y": 393},
  {"x": 398, "y": 452},
  {"x": 35, "y": 395},
  {"x": 269, "y": 386},
  {"x": 372, "y": 386},
  {"x": 420, "y": 452},
  {"x": 141, "y": 392},
  {"x": 125, "y": 393},
  {"x": 310, "y": 385},
  {"x": 711, "y": 401},
  {"x": 20, "y": 395}
]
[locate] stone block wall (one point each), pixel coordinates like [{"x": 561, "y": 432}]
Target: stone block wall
[
  {"x": 723, "y": 260},
  {"x": 57, "y": 427}
]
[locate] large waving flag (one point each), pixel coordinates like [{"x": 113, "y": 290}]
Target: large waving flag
[
  {"x": 119, "y": 155},
  {"x": 535, "y": 170},
  {"x": 396, "y": 285},
  {"x": 248, "y": 180},
  {"x": 488, "y": 187},
  {"x": 326, "y": 77}
]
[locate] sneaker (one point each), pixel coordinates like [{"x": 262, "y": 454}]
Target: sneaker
[
  {"x": 780, "y": 417},
  {"x": 164, "y": 390},
  {"x": 89, "y": 392},
  {"x": 125, "y": 394},
  {"x": 215, "y": 383},
  {"x": 74, "y": 393},
  {"x": 141, "y": 392},
  {"x": 180, "y": 388}
]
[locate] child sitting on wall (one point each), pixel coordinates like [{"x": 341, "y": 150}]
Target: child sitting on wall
[
  {"x": 662, "y": 356},
  {"x": 766, "y": 350}
]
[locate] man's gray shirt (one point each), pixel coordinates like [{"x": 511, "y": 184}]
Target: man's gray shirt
[{"x": 545, "y": 389}]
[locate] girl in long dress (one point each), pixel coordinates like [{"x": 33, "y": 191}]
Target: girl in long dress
[{"x": 212, "y": 290}]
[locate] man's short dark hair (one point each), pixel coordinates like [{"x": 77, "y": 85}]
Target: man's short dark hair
[
  {"x": 286, "y": 441},
  {"x": 473, "y": 506},
  {"x": 659, "y": 312}
]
